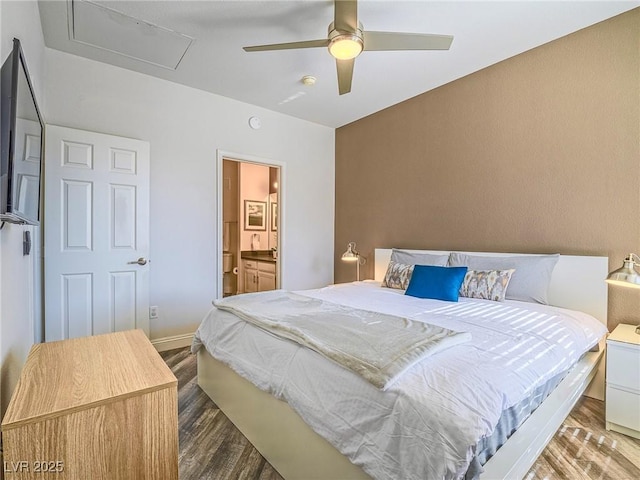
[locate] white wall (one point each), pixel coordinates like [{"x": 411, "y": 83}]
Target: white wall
[
  {"x": 254, "y": 185},
  {"x": 185, "y": 127},
  {"x": 18, "y": 286}
]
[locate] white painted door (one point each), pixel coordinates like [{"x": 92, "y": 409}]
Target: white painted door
[
  {"x": 27, "y": 167},
  {"x": 96, "y": 223}
]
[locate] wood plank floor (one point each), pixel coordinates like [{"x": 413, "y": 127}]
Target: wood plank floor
[{"x": 212, "y": 448}]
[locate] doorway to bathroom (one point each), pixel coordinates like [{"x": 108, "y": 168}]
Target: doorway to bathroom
[{"x": 250, "y": 224}]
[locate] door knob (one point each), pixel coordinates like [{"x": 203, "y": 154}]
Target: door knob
[{"x": 140, "y": 261}]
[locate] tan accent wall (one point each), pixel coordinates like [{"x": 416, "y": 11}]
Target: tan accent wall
[{"x": 537, "y": 154}]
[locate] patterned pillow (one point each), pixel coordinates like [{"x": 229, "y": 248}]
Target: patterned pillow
[
  {"x": 486, "y": 284},
  {"x": 398, "y": 275}
]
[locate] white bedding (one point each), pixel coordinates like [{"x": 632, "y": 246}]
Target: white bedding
[
  {"x": 426, "y": 425},
  {"x": 377, "y": 346}
]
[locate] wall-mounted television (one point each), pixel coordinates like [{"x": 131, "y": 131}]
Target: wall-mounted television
[{"x": 21, "y": 132}]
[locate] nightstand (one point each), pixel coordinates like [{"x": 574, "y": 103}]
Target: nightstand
[{"x": 623, "y": 381}]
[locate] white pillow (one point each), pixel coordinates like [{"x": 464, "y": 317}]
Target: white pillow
[
  {"x": 529, "y": 282},
  {"x": 412, "y": 258}
]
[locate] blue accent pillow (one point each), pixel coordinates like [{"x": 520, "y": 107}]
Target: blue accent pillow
[{"x": 439, "y": 283}]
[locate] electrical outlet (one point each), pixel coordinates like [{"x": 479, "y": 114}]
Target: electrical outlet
[{"x": 153, "y": 311}]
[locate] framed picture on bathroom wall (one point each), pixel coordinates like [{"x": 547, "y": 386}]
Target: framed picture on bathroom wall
[
  {"x": 274, "y": 217},
  {"x": 255, "y": 215}
]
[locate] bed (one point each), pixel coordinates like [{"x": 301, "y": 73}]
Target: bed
[{"x": 297, "y": 451}]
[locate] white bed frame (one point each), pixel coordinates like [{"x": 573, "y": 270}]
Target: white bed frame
[{"x": 297, "y": 452}]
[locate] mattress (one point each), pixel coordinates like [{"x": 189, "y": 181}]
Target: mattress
[{"x": 436, "y": 419}]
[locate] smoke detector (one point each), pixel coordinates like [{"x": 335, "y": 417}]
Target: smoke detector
[{"x": 309, "y": 80}]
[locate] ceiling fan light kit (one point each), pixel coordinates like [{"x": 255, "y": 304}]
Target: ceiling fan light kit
[
  {"x": 347, "y": 39},
  {"x": 345, "y": 45}
]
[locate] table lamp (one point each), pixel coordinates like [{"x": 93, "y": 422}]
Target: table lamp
[
  {"x": 352, "y": 255},
  {"x": 626, "y": 276}
]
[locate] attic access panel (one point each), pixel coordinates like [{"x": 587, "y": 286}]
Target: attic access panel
[{"x": 107, "y": 29}]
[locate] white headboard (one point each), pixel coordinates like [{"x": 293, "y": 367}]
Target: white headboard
[{"x": 577, "y": 282}]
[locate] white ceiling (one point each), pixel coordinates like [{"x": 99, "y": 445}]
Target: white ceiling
[{"x": 485, "y": 32}]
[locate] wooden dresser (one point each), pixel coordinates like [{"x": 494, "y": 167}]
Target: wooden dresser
[{"x": 101, "y": 407}]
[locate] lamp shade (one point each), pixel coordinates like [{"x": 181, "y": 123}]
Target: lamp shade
[
  {"x": 351, "y": 255},
  {"x": 626, "y": 276}
]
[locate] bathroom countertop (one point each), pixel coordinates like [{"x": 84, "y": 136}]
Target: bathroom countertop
[{"x": 258, "y": 256}]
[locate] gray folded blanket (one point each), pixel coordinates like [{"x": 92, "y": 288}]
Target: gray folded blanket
[{"x": 376, "y": 346}]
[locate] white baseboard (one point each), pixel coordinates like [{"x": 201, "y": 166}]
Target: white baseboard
[{"x": 169, "y": 343}]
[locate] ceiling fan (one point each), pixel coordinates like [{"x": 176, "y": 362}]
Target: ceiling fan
[{"x": 347, "y": 39}]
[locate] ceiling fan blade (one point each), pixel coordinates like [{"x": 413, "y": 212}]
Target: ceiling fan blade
[
  {"x": 378, "y": 41},
  {"x": 288, "y": 46},
  {"x": 345, "y": 15},
  {"x": 345, "y": 74}
]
